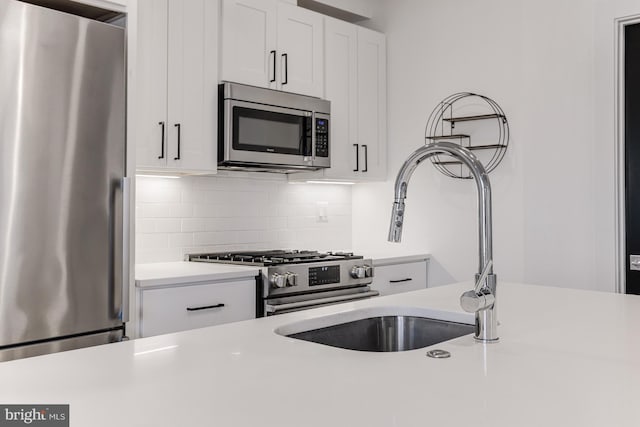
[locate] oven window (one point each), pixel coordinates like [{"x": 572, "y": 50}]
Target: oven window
[{"x": 258, "y": 130}]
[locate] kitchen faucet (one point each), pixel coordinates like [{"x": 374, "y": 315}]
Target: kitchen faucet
[{"x": 482, "y": 299}]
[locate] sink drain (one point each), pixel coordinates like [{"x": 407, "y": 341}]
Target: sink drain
[{"x": 438, "y": 354}]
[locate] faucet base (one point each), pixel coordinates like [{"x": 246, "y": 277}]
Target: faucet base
[
  {"x": 484, "y": 341},
  {"x": 487, "y": 325}
]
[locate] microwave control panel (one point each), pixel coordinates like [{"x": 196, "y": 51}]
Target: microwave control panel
[{"x": 322, "y": 138}]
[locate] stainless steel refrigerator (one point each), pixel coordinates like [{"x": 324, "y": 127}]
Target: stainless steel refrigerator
[{"x": 63, "y": 191}]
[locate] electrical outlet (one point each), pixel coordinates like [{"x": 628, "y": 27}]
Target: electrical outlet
[{"x": 321, "y": 212}]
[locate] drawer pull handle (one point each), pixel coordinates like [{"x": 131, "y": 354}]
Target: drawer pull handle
[
  {"x": 206, "y": 307},
  {"x": 408, "y": 279}
]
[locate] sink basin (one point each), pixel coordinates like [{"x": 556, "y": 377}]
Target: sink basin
[{"x": 386, "y": 333}]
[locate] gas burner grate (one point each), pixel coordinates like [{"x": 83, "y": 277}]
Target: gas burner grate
[{"x": 272, "y": 257}]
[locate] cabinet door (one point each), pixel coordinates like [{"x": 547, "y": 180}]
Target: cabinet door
[
  {"x": 300, "y": 55},
  {"x": 398, "y": 278},
  {"x": 192, "y": 85},
  {"x": 196, "y": 306},
  {"x": 341, "y": 68},
  {"x": 249, "y": 42},
  {"x": 355, "y": 83},
  {"x": 151, "y": 84},
  {"x": 372, "y": 104}
]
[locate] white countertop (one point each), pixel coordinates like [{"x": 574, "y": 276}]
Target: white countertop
[
  {"x": 169, "y": 273},
  {"x": 566, "y": 358},
  {"x": 394, "y": 255},
  {"x": 381, "y": 259}
]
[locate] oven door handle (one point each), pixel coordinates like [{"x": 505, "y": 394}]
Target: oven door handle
[{"x": 274, "y": 308}]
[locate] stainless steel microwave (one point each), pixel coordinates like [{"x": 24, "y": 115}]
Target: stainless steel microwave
[{"x": 264, "y": 129}]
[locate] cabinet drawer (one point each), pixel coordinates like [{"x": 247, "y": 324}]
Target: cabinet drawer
[
  {"x": 188, "y": 307},
  {"x": 397, "y": 278}
]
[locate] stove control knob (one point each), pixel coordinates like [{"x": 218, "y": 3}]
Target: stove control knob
[
  {"x": 368, "y": 271},
  {"x": 292, "y": 279},
  {"x": 358, "y": 272},
  {"x": 278, "y": 280}
]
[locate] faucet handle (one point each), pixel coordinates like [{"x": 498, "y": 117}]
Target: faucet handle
[
  {"x": 483, "y": 276},
  {"x": 472, "y": 301}
]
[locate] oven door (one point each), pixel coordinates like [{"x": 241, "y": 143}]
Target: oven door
[
  {"x": 290, "y": 304},
  {"x": 257, "y": 134}
]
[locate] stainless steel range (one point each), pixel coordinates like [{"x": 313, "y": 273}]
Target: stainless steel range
[{"x": 298, "y": 280}]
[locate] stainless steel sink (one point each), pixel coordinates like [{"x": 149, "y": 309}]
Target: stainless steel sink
[{"x": 386, "y": 333}]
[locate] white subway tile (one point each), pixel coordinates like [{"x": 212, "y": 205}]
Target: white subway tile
[
  {"x": 144, "y": 225},
  {"x": 157, "y": 190},
  {"x": 269, "y": 236},
  {"x": 164, "y": 210},
  {"x": 277, "y": 222},
  {"x": 339, "y": 209},
  {"x": 158, "y": 255},
  {"x": 212, "y": 211},
  {"x": 192, "y": 224},
  {"x": 214, "y": 238},
  {"x": 248, "y": 237},
  {"x": 168, "y": 225},
  {"x": 301, "y": 221},
  {"x": 152, "y": 240},
  {"x": 178, "y": 240},
  {"x": 197, "y": 196},
  {"x": 226, "y": 213},
  {"x": 307, "y": 209},
  {"x": 225, "y": 224}
]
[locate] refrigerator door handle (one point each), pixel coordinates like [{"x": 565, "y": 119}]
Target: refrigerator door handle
[{"x": 126, "y": 233}]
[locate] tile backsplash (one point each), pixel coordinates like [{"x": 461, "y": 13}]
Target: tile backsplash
[{"x": 199, "y": 214}]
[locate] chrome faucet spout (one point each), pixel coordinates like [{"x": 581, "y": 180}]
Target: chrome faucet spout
[{"x": 483, "y": 300}]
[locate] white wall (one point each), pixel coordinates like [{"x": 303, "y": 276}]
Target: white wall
[
  {"x": 549, "y": 64},
  {"x": 200, "y": 214}
]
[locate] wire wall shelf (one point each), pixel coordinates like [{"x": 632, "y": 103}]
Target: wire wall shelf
[{"x": 441, "y": 126}]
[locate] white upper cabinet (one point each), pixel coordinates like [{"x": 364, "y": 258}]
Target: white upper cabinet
[
  {"x": 355, "y": 83},
  {"x": 176, "y": 86},
  {"x": 150, "y": 83},
  {"x": 342, "y": 90},
  {"x": 249, "y": 42},
  {"x": 193, "y": 83},
  {"x": 272, "y": 44},
  {"x": 300, "y": 50},
  {"x": 372, "y": 105}
]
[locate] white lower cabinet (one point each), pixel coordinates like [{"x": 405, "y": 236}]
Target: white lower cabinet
[
  {"x": 179, "y": 308},
  {"x": 393, "y": 278}
]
